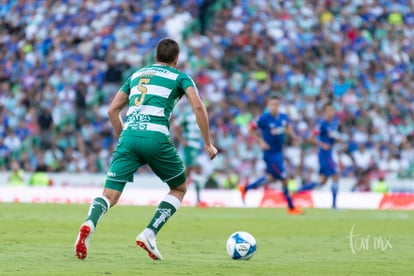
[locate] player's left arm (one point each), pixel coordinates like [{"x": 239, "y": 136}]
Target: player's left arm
[
  {"x": 253, "y": 131},
  {"x": 314, "y": 137},
  {"x": 117, "y": 105},
  {"x": 200, "y": 111},
  {"x": 291, "y": 133}
]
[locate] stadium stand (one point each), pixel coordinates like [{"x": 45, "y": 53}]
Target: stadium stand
[{"x": 62, "y": 61}]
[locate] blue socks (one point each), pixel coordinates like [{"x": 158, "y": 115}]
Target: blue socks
[
  {"x": 288, "y": 198},
  {"x": 312, "y": 185},
  {"x": 308, "y": 187},
  {"x": 259, "y": 182},
  {"x": 263, "y": 180},
  {"x": 334, "y": 189}
]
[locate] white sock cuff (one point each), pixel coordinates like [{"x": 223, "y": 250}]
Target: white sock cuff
[
  {"x": 90, "y": 224},
  {"x": 149, "y": 232},
  {"x": 108, "y": 204},
  {"x": 172, "y": 200}
]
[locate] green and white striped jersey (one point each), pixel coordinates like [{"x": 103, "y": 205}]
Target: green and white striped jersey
[
  {"x": 153, "y": 92},
  {"x": 186, "y": 119}
]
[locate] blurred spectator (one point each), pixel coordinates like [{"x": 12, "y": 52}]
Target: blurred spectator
[
  {"x": 45, "y": 122},
  {"x": 12, "y": 141},
  {"x": 4, "y": 154},
  {"x": 64, "y": 60},
  {"x": 364, "y": 164},
  {"x": 40, "y": 177},
  {"x": 16, "y": 174},
  {"x": 380, "y": 186},
  {"x": 203, "y": 15}
]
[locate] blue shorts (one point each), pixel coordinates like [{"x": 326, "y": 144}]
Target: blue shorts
[
  {"x": 275, "y": 165},
  {"x": 327, "y": 165}
]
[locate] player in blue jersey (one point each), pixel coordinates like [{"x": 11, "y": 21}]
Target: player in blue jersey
[
  {"x": 273, "y": 126},
  {"x": 325, "y": 137}
]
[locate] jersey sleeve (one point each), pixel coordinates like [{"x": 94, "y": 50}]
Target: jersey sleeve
[
  {"x": 185, "y": 81},
  {"x": 260, "y": 123},
  {"x": 126, "y": 87},
  {"x": 317, "y": 130}
]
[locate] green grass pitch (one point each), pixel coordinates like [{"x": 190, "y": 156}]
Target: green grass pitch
[{"x": 37, "y": 239}]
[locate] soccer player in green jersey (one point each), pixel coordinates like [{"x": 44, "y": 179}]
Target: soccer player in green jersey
[
  {"x": 189, "y": 136},
  {"x": 150, "y": 94}
]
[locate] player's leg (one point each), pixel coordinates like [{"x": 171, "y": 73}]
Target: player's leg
[
  {"x": 194, "y": 171},
  {"x": 308, "y": 186},
  {"x": 166, "y": 209},
  {"x": 334, "y": 189},
  {"x": 188, "y": 163},
  {"x": 121, "y": 170},
  {"x": 99, "y": 206},
  {"x": 199, "y": 180},
  {"x": 257, "y": 183},
  {"x": 324, "y": 172},
  {"x": 292, "y": 209},
  {"x": 276, "y": 168},
  {"x": 285, "y": 191},
  {"x": 168, "y": 206},
  {"x": 329, "y": 171},
  {"x": 322, "y": 179},
  {"x": 166, "y": 164},
  {"x": 245, "y": 187},
  {"x": 314, "y": 184}
]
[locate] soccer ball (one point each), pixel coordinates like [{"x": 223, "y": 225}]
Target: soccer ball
[{"x": 241, "y": 245}]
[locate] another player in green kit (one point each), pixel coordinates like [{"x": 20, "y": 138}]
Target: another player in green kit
[
  {"x": 189, "y": 136},
  {"x": 150, "y": 94}
]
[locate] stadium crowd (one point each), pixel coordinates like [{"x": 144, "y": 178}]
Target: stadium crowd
[{"x": 62, "y": 61}]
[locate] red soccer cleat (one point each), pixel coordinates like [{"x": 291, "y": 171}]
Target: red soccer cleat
[
  {"x": 149, "y": 245},
  {"x": 82, "y": 241}
]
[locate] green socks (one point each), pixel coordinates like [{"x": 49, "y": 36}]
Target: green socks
[
  {"x": 99, "y": 207},
  {"x": 165, "y": 210}
]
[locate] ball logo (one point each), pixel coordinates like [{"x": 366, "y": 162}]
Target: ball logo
[{"x": 243, "y": 247}]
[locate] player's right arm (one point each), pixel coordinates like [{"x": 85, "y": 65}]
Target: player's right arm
[
  {"x": 202, "y": 119},
  {"x": 253, "y": 133},
  {"x": 117, "y": 105},
  {"x": 313, "y": 139}
]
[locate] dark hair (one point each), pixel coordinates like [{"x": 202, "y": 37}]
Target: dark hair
[
  {"x": 274, "y": 96},
  {"x": 327, "y": 104},
  {"x": 167, "y": 50}
]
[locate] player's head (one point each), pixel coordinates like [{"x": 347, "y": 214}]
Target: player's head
[
  {"x": 273, "y": 103},
  {"x": 329, "y": 111},
  {"x": 167, "y": 51}
]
